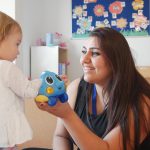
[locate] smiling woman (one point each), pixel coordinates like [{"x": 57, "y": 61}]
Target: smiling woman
[{"x": 109, "y": 106}]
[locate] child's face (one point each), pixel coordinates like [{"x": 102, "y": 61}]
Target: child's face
[{"x": 9, "y": 47}]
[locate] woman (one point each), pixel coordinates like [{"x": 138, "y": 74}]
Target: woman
[{"x": 109, "y": 107}]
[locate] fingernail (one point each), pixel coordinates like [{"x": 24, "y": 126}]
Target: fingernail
[{"x": 41, "y": 104}]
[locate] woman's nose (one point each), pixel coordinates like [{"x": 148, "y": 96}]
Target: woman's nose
[{"x": 86, "y": 58}]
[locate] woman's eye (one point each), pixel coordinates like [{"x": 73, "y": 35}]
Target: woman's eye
[
  {"x": 95, "y": 54},
  {"x": 84, "y": 50},
  {"x": 49, "y": 80}
]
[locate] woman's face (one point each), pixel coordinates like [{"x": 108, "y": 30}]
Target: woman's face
[{"x": 94, "y": 62}]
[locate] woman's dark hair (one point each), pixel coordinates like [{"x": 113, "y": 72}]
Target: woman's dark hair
[{"x": 126, "y": 87}]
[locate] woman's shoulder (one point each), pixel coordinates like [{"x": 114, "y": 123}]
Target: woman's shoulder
[
  {"x": 146, "y": 106},
  {"x": 72, "y": 90},
  {"x": 146, "y": 99},
  {"x": 145, "y": 103},
  {"x": 146, "y": 114},
  {"x": 74, "y": 84}
]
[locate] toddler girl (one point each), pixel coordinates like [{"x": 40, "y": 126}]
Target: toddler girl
[{"x": 14, "y": 87}]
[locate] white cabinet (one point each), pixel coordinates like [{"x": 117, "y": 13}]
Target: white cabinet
[{"x": 46, "y": 58}]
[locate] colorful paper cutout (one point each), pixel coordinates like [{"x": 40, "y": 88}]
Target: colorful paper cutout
[
  {"x": 131, "y": 18},
  {"x": 99, "y": 10},
  {"x": 116, "y": 7}
]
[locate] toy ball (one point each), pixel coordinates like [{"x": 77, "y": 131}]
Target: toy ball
[{"x": 52, "y": 89}]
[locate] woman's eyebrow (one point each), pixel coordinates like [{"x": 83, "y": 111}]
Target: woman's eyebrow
[
  {"x": 92, "y": 48},
  {"x": 84, "y": 47}
]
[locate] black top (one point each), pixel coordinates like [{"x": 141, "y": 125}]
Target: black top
[
  {"x": 96, "y": 123},
  {"x": 145, "y": 145}
]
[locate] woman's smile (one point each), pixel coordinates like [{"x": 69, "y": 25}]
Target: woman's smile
[{"x": 88, "y": 69}]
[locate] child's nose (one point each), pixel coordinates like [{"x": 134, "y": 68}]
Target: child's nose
[{"x": 18, "y": 52}]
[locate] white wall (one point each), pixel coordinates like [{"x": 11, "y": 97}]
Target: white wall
[
  {"x": 29, "y": 15},
  {"x": 140, "y": 47},
  {"x": 40, "y": 16},
  {"x": 8, "y": 7}
]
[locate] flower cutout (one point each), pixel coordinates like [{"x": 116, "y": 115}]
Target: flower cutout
[
  {"x": 138, "y": 4},
  {"x": 85, "y": 24},
  {"x": 99, "y": 10},
  {"x": 78, "y": 10},
  {"x": 115, "y": 7},
  {"x": 101, "y": 25},
  {"x": 121, "y": 23},
  {"x": 140, "y": 20}
]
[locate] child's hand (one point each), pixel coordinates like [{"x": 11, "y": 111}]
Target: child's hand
[{"x": 65, "y": 79}]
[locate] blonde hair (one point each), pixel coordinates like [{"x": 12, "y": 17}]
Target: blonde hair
[{"x": 7, "y": 24}]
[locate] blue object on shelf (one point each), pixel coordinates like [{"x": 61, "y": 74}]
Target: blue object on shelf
[{"x": 49, "y": 39}]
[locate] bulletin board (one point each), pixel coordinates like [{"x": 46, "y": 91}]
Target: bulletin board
[{"x": 130, "y": 17}]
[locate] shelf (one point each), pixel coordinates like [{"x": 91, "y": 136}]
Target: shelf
[{"x": 46, "y": 58}]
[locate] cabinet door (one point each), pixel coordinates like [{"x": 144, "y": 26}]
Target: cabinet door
[{"x": 43, "y": 58}]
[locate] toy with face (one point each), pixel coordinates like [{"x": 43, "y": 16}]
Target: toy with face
[{"x": 52, "y": 89}]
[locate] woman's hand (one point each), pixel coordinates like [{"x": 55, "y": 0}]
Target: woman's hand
[{"x": 61, "y": 110}]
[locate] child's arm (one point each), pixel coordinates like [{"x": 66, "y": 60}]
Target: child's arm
[{"x": 18, "y": 82}]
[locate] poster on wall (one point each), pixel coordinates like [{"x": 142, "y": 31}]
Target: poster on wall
[{"x": 130, "y": 17}]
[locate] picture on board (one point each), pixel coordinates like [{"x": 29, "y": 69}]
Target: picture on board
[{"x": 131, "y": 18}]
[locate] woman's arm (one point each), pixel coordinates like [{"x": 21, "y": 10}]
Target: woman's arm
[
  {"x": 70, "y": 124},
  {"x": 61, "y": 135},
  {"x": 87, "y": 140}
]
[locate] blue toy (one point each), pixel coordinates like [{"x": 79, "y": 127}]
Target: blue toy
[{"x": 52, "y": 89}]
